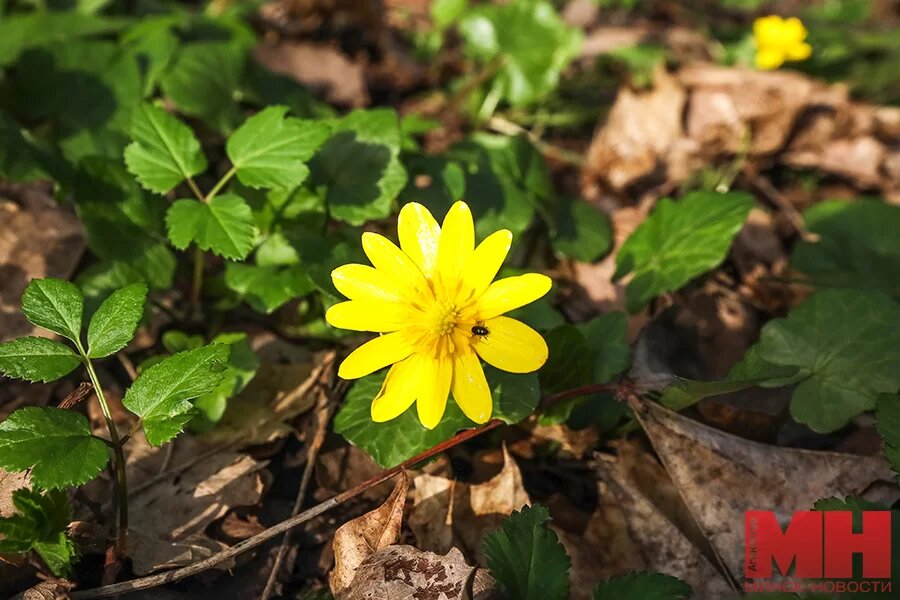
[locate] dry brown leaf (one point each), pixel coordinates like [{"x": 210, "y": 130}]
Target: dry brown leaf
[
  {"x": 38, "y": 238},
  {"x": 322, "y": 67},
  {"x": 45, "y": 590},
  {"x": 356, "y": 540},
  {"x": 283, "y": 388},
  {"x": 721, "y": 476},
  {"x": 574, "y": 442},
  {"x": 405, "y": 572},
  {"x": 449, "y": 513},
  {"x": 170, "y": 512},
  {"x": 10, "y": 482}
]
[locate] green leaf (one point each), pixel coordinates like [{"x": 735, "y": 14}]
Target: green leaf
[
  {"x": 358, "y": 169},
  {"x": 56, "y": 305},
  {"x": 40, "y": 525},
  {"x": 506, "y": 180},
  {"x": 114, "y": 323},
  {"x": 678, "y": 242},
  {"x": 160, "y": 394},
  {"x": 224, "y": 225},
  {"x": 241, "y": 368},
  {"x": 846, "y": 346},
  {"x": 267, "y": 288},
  {"x": 605, "y": 337},
  {"x": 203, "y": 81},
  {"x": 642, "y": 586},
  {"x": 56, "y": 444},
  {"x": 531, "y": 41},
  {"x": 270, "y": 151},
  {"x": 857, "y": 245},
  {"x": 569, "y": 366},
  {"x": 19, "y": 32},
  {"x": 526, "y": 558},
  {"x": 581, "y": 232},
  {"x": 164, "y": 152},
  {"x": 888, "y": 413},
  {"x": 392, "y": 442},
  {"x": 37, "y": 359},
  {"x": 515, "y": 396}
]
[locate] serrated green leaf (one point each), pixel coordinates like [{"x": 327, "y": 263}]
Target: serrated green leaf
[
  {"x": 845, "y": 363},
  {"x": 267, "y": 288},
  {"x": 241, "y": 368},
  {"x": 581, "y": 231},
  {"x": 679, "y": 241},
  {"x": 56, "y": 305},
  {"x": 56, "y": 444},
  {"x": 857, "y": 245},
  {"x": 114, "y": 323},
  {"x": 606, "y": 340},
  {"x": 529, "y": 39},
  {"x": 642, "y": 586},
  {"x": 270, "y": 151},
  {"x": 40, "y": 524},
  {"x": 37, "y": 359},
  {"x": 164, "y": 152},
  {"x": 160, "y": 394},
  {"x": 203, "y": 81},
  {"x": 358, "y": 169},
  {"x": 392, "y": 442},
  {"x": 526, "y": 558},
  {"x": 888, "y": 413},
  {"x": 224, "y": 225}
]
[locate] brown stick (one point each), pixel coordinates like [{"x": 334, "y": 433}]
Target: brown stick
[
  {"x": 152, "y": 581},
  {"x": 327, "y": 403}
]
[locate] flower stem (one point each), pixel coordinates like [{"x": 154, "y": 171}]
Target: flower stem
[
  {"x": 121, "y": 483},
  {"x": 197, "y": 285}
]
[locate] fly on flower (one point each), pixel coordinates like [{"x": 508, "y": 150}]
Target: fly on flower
[
  {"x": 778, "y": 40},
  {"x": 438, "y": 312}
]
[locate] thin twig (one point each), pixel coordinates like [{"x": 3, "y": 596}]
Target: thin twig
[
  {"x": 507, "y": 127},
  {"x": 327, "y": 403},
  {"x": 159, "y": 579}
]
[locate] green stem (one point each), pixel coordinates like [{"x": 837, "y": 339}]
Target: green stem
[
  {"x": 222, "y": 183},
  {"x": 121, "y": 487},
  {"x": 197, "y": 286}
]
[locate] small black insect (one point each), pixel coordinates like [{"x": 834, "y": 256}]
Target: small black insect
[{"x": 480, "y": 330}]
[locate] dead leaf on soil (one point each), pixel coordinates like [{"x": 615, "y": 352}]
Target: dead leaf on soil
[
  {"x": 721, "y": 476},
  {"x": 322, "y": 67},
  {"x": 448, "y": 513},
  {"x": 405, "y": 572},
  {"x": 45, "y": 590},
  {"x": 284, "y": 387},
  {"x": 356, "y": 540},
  {"x": 169, "y": 515},
  {"x": 10, "y": 482}
]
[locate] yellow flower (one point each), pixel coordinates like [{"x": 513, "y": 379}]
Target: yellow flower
[
  {"x": 778, "y": 40},
  {"x": 434, "y": 304}
]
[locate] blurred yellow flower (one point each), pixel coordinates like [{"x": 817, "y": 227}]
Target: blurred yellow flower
[
  {"x": 438, "y": 311},
  {"x": 778, "y": 40}
]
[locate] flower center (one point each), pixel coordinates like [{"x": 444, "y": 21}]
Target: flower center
[{"x": 443, "y": 327}]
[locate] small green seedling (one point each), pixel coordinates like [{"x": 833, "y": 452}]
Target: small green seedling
[{"x": 57, "y": 445}]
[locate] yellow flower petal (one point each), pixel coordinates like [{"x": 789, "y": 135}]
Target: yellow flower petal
[
  {"x": 368, "y": 315},
  {"x": 507, "y": 294},
  {"x": 512, "y": 346},
  {"x": 392, "y": 263},
  {"x": 457, "y": 242},
  {"x": 483, "y": 264},
  {"x": 434, "y": 377},
  {"x": 800, "y": 51},
  {"x": 419, "y": 236},
  {"x": 769, "y": 58},
  {"x": 375, "y": 354},
  {"x": 767, "y": 30},
  {"x": 398, "y": 391},
  {"x": 362, "y": 282},
  {"x": 792, "y": 31},
  {"x": 470, "y": 387}
]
